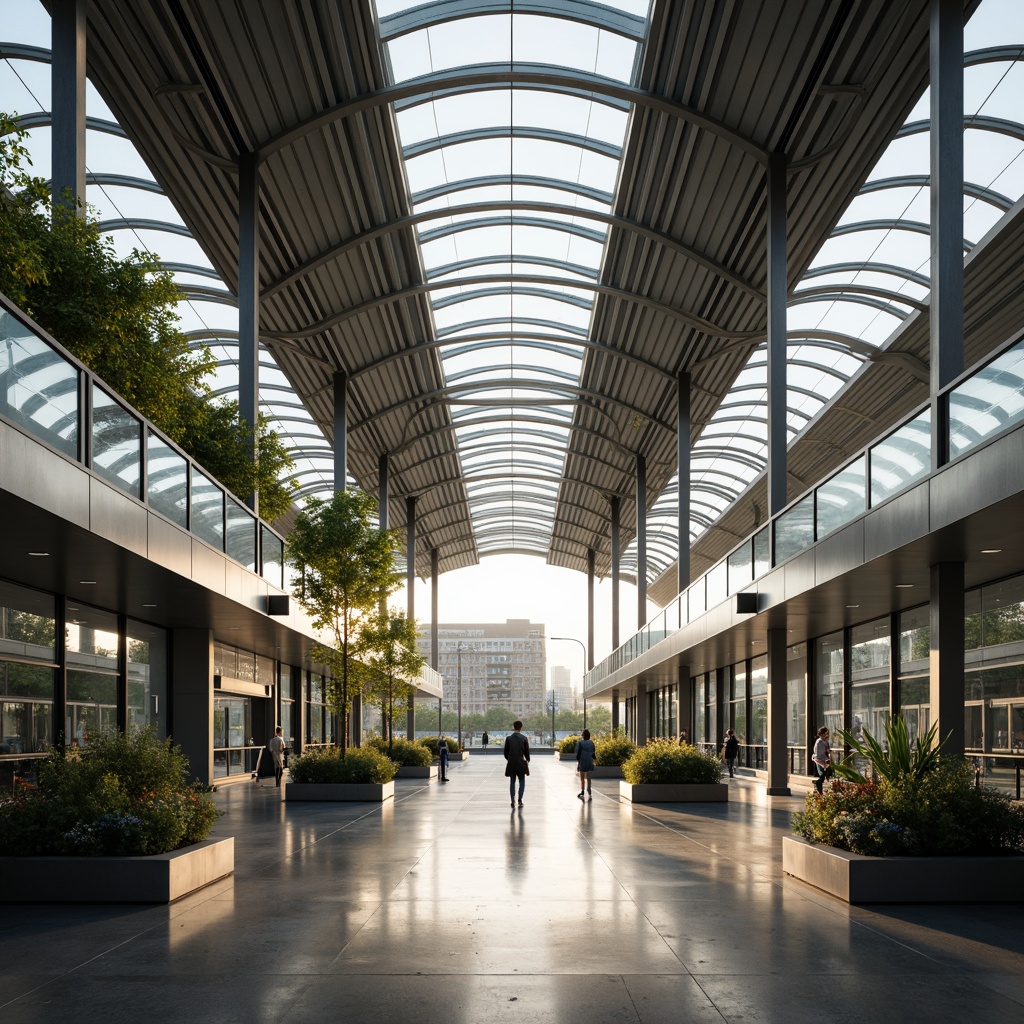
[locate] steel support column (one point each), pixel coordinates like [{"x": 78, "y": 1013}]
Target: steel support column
[
  {"x": 340, "y": 431},
  {"x": 590, "y": 608},
  {"x": 776, "y": 342},
  {"x": 641, "y": 541},
  {"x": 249, "y": 300},
  {"x": 67, "y": 103},
  {"x": 946, "y": 318},
  {"x": 641, "y": 718},
  {"x": 683, "y": 476},
  {"x": 685, "y": 721},
  {"x": 615, "y": 572},
  {"x": 778, "y": 709},
  {"x": 434, "y": 590},
  {"x": 410, "y": 559},
  {"x": 946, "y": 654}
]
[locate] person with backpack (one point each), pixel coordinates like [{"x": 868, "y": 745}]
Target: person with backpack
[{"x": 730, "y": 751}]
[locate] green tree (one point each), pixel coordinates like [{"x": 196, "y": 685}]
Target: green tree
[
  {"x": 387, "y": 646},
  {"x": 118, "y": 316},
  {"x": 346, "y": 569}
]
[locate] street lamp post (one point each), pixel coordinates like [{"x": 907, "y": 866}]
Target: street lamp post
[
  {"x": 573, "y": 639},
  {"x": 552, "y": 717}
]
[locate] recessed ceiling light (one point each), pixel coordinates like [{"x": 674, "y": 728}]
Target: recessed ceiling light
[
  {"x": 88, "y": 583},
  {"x": 991, "y": 551},
  {"x": 904, "y": 586},
  {"x": 149, "y": 606},
  {"x": 39, "y": 554},
  {"x": 853, "y": 606}
]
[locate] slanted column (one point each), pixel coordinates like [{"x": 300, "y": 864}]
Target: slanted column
[
  {"x": 946, "y": 653},
  {"x": 776, "y": 342},
  {"x": 67, "y": 103},
  {"x": 249, "y": 301},
  {"x": 683, "y": 475},
  {"x": 946, "y": 302},
  {"x": 641, "y": 541},
  {"x": 778, "y": 755},
  {"x": 340, "y": 431}
]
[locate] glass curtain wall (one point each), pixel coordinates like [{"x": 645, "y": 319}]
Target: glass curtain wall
[
  {"x": 739, "y": 710},
  {"x": 914, "y": 679},
  {"x": 757, "y": 741},
  {"x": 796, "y": 708},
  {"x": 870, "y": 651},
  {"x": 147, "y": 677},
  {"x": 93, "y": 650},
  {"x": 828, "y": 683}
]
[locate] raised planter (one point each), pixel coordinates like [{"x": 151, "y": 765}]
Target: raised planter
[
  {"x": 607, "y": 771},
  {"x": 858, "y": 879},
  {"x": 674, "y": 793},
  {"x": 410, "y": 771},
  {"x": 354, "y": 792},
  {"x": 559, "y": 756},
  {"x": 160, "y": 878}
]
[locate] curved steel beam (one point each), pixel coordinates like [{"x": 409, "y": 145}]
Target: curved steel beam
[
  {"x": 888, "y": 224},
  {"x": 817, "y": 292},
  {"x": 584, "y": 142},
  {"x": 844, "y": 294},
  {"x": 44, "y": 119},
  {"x": 142, "y": 224},
  {"x": 870, "y": 268},
  {"x": 411, "y": 291},
  {"x": 514, "y": 287},
  {"x": 517, "y": 73},
  {"x": 531, "y": 180},
  {"x": 971, "y": 188},
  {"x": 590, "y": 273},
  {"x": 581, "y": 11},
  {"x": 504, "y": 207},
  {"x": 980, "y": 122}
]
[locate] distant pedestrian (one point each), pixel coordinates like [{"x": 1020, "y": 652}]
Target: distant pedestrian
[
  {"x": 730, "y": 751},
  {"x": 277, "y": 748},
  {"x": 822, "y": 758},
  {"x": 442, "y": 758},
  {"x": 682, "y": 738},
  {"x": 486, "y": 739},
  {"x": 585, "y": 751},
  {"x": 517, "y": 756}
]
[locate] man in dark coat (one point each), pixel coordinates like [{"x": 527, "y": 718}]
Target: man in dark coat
[{"x": 517, "y": 756}]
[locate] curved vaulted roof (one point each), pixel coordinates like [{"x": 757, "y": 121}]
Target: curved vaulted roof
[{"x": 513, "y": 223}]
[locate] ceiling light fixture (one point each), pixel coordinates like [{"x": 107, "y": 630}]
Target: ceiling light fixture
[
  {"x": 991, "y": 551},
  {"x": 39, "y": 554},
  {"x": 904, "y": 586},
  {"x": 853, "y": 606},
  {"x": 88, "y": 583}
]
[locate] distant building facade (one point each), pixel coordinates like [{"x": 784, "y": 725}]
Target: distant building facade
[
  {"x": 504, "y": 665},
  {"x": 566, "y": 696}
]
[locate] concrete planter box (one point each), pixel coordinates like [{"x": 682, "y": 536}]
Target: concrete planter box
[
  {"x": 609, "y": 771},
  {"x": 416, "y": 772},
  {"x": 858, "y": 879},
  {"x": 364, "y": 792},
  {"x": 161, "y": 878},
  {"x": 559, "y": 756},
  {"x": 674, "y": 793}
]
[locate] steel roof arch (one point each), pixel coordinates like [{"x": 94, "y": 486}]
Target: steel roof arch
[
  {"x": 470, "y": 135},
  {"x": 446, "y": 188}
]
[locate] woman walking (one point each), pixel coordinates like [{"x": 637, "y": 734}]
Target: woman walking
[{"x": 585, "y": 751}]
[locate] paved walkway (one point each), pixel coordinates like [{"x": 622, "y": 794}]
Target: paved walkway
[{"x": 446, "y": 906}]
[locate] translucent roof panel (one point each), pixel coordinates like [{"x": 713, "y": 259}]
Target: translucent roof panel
[
  {"x": 139, "y": 216},
  {"x": 870, "y": 275}
]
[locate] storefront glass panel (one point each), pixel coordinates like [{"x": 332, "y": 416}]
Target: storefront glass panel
[
  {"x": 870, "y": 650},
  {"x": 828, "y": 683},
  {"x": 796, "y": 707},
  {"x": 147, "y": 677}
]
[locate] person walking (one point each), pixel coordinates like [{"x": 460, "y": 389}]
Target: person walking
[
  {"x": 822, "y": 757},
  {"x": 585, "y": 751},
  {"x": 277, "y": 748},
  {"x": 731, "y": 750},
  {"x": 442, "y": 758},
  {"x": 486, "y": 738},
  {"x": 517, "y": 757}
]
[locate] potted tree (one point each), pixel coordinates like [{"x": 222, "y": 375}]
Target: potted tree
[
  {"x": 346, "y": 569},
  {"x": 913, "y": 827},
  {"x": 667, "y": 772}
]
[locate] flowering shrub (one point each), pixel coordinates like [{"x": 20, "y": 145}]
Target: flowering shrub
[
  {"x": 938, "y": 814},
  {"x": 360, "y": 764},
  {"x": 403, "y": 752},
  {"x": 121, "y": 795},
  {"x": 665, "y": 761}
]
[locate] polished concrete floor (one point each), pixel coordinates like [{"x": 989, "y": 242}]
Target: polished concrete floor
[{"x": 447, "y": 905}]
